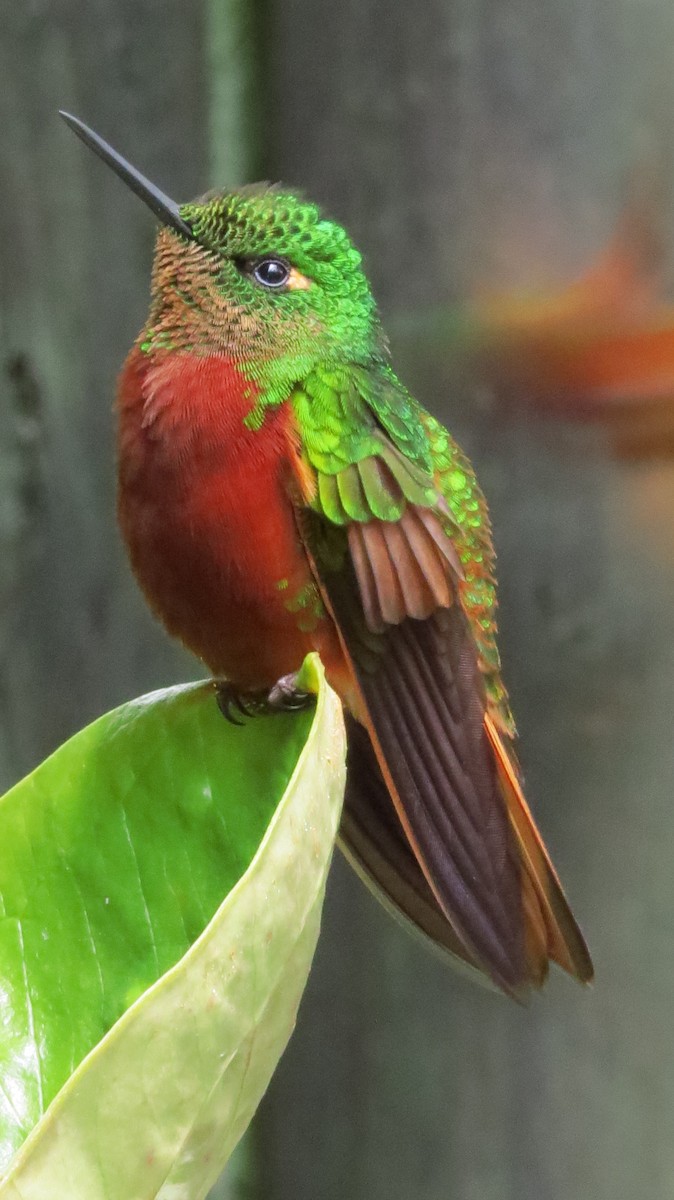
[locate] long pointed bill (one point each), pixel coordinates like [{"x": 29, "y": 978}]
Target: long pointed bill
[{"x": 167, "y": 210}]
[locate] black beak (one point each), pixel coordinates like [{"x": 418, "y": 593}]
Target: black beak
[{"x": 167, "y": 210}]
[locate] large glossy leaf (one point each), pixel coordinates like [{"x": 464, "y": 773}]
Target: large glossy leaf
[{"x": 161, "y": 879}]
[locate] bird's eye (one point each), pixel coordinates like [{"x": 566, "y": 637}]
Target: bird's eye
[{"x": 271, "y": 272}]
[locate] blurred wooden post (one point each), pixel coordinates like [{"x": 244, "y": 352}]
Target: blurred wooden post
[{"x": 75, "y": 251}]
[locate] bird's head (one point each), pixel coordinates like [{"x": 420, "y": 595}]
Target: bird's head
[{"x": 259, "y": 275}]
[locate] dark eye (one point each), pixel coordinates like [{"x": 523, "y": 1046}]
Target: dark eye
[{"x": 271, "y": 272}]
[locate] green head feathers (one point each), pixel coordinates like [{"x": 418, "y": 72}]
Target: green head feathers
[
  {"x": 262, "y": 219},
  {"x": 265, "y": 276}
]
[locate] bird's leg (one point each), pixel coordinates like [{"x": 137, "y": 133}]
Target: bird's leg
[{"x": 286, "y": 696}]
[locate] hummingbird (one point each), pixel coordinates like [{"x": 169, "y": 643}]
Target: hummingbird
[{"x": 280, "y": 491}]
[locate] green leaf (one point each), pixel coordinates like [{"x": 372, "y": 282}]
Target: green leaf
[{"x": 142, "y": 1015}]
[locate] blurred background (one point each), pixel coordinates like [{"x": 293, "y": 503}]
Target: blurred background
[{"x": 506, "y": 166}]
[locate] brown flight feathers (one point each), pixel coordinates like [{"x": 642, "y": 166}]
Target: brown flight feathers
[{"x": 404, "y": 568}]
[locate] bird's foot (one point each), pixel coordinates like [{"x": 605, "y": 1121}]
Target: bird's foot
[
  {"x": 285, "y": 696},
  {"x": 234, "y": 703}
]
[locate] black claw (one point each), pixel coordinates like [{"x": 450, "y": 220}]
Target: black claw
[
  {"x": 226, "y": 710},
  {"x": 227, "y": 699}
]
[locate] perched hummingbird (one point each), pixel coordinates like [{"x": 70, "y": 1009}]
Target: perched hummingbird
[{"x": 280, "y": 491}]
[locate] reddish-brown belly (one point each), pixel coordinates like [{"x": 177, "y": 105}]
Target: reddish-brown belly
[{"x": 207, "y": 518}]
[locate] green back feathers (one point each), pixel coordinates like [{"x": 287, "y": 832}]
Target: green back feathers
[
  {"x": 456, "y": 479},
  {"x": 342, "y": 410}
]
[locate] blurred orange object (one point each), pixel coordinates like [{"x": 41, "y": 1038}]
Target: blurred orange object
[{"x": 601, "y": 348}]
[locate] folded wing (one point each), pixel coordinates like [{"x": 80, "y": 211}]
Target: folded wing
[{"x": 435, "y": 816}]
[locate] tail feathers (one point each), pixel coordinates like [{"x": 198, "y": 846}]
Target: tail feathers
[
  {"x": 373, "y": 840},
  {"x": 375, "y": 844},
  {"x": 552, "y": 930},
  {"x": 535, "y": 934}
]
